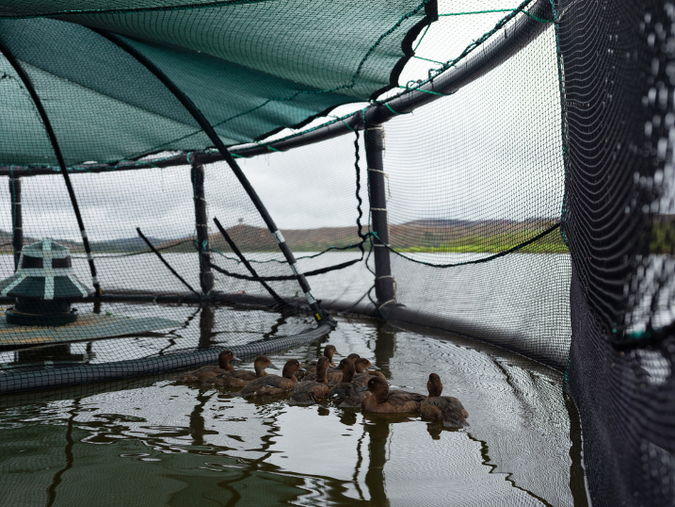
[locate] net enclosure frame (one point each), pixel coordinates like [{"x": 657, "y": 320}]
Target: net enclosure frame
[{"x": 616, "y": 117}]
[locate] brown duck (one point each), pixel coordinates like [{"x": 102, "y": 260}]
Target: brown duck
[
  {"x": 206, "y": 374},
  {"x": 447, "y": 409},
  {"x": 345, "y": 393},
  {"x": 274, "y": 384},
  {"x": 311, "y": 391},
  {"x": 240, "y": 378},
  {"x": 307, "y": 369},
  {"x": 384, "y": 401},
  {"x": 363, "y": 374}
]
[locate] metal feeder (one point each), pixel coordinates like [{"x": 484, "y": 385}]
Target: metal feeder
[{"x": 43, "y": 286}]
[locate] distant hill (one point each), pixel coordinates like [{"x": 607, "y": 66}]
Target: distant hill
[
  {"x": 123, "y": 245},
  {"x": 428, "y": 234}
]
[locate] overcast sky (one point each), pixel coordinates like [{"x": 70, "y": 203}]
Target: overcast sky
[{"x": 490, "y": 151}]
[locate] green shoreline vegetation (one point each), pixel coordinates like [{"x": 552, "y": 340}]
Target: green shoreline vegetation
[{"x": 424, "y": 236}]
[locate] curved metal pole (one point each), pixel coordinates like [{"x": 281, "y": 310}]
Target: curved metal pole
[
  {"x": 319, "y": 313},
  {"x": 59, "y": 156}
]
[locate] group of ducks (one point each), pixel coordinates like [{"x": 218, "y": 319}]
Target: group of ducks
[{"x": 351, "y": 384}]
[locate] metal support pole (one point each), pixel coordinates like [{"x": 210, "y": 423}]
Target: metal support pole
[
  {"x": 384, "y": 281},
  {"x": 17, "y": 221},
  {"x": 205, "y": 273},
  {"x": 206, "y": 323}
]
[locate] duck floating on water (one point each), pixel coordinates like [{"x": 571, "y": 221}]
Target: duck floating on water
[
  {"x": 363, "y": 374},
  {"x": 307, "y": 369},
  {"x": 447, "y": 409},
  {"x": 385, "y": 401},
  {"x": 274, "y": 384},
  {"x": 241, "y": 378},
  {"x": 347, "y": 394},
  {"x": 206, "y": 374},
  {"x": 311, "y": 391}
]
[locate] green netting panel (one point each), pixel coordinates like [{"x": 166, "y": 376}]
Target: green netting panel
[
  {"x": 473, "y": 205},
  {"x": 251, "y": 68}
]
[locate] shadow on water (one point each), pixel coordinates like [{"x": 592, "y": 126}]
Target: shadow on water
[
  {"x": 197, "y": 423},
  {"x": 484, "y": 452},
  {"x": 378, "y": 434},
  {"x": 577, "y": 473},
  {"x": 68, "y": 451},
  {"x": 385, "y": 347}
]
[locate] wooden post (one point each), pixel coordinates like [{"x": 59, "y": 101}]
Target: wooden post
[
  {"x": 17, "y": 221},
  {"x": 384, "y": 281},
  {"x": 205, "y": 273}
]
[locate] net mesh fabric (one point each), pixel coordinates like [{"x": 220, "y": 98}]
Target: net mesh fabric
[{"x": 617, "y": 222}]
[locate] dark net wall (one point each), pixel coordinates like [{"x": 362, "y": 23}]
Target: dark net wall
[{"x": 618, "y": 61}]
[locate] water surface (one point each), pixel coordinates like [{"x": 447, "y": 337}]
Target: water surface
[{"x": 151, "y": 442}]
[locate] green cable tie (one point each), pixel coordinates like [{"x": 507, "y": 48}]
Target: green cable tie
[
  {"x": 426, "y": 91},
  {"x": 421, "y": 38},
  {"x": 541, "y": 20},
  {"x": 271, "y": 148},
  {"x": 476, "y": 12},
  {"x": 428, "y": 60},
  {"x": 342, "y": 120},
  {"x": 390, "y": 109}
]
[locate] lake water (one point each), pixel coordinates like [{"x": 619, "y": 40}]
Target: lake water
[{"x": 148, "y": 441}]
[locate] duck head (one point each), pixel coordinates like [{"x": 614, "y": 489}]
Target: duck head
[
  {"x": 262, "y": 362},
  {"x": 361, "y": 364},
  {"x": 348, "y": 369},
  {"x": 434, "y": 385},
  {"x": 379, "y": 388},
  {"x": 290, "y": 368},
  {"x": 224, "y": 359},
  {"x": 322, "y": 368},
  {"x": 329, "y": 352}
]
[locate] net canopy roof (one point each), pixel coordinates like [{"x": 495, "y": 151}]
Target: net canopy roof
[{"x": 251, "y": 68}]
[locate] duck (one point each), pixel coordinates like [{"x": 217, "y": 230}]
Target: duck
[
  {"x": 274, "y": 384},
  {"x": 447, "y": 409},
  {"x": 333, "y": 376},
  {"x": 311, "y": 391},
  {"x": 240, "y": 378},
  {"x": 346, "y": 394},
  {"x": 384, "y": 401},
  {"x": 310, "y": 368},
  {"x": 363, "y": 374},
  {"x": 206, "y": 374}
]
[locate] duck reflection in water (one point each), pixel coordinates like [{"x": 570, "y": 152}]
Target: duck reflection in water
[{"x": 274, "y": 384}]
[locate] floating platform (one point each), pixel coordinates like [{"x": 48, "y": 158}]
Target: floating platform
[{"x": 88, "y": 327}]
